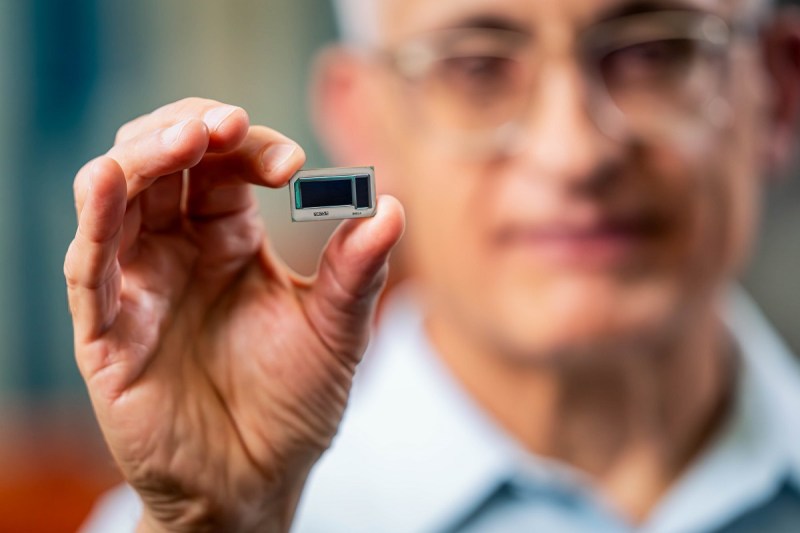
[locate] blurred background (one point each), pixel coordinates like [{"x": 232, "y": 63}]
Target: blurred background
[{"x": 70, "y": 74}]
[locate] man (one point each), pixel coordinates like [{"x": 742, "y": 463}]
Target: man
[{"x": 581, "y": 181}]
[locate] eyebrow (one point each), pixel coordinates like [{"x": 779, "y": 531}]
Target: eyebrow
[
  {"x": 489, "y": 22},
  {"x": 623, "y": 9},
  {"x": 637, "y": 7}
]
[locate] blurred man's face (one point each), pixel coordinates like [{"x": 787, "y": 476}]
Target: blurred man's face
[{"x": 579, "y": 178}]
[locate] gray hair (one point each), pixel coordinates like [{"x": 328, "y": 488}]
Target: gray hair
[{"x": 359, "y": 21}]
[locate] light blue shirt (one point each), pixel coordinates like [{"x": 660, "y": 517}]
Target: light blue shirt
[{"x": 416, "y": 454}]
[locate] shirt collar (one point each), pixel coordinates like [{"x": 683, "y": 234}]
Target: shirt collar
[
  {"x": 433, "y": 432},
  {"x": 756, "y": 452},
  {"x": 419, "y": 441},
  {"x": 411, "y": 435},
  {"x": 775, "y": 379}
]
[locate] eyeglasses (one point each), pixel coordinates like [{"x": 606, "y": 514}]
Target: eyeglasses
[{"x": 653, "y": 75}]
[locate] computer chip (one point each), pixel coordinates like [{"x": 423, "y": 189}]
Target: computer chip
[{"x": 332, "y": 193}]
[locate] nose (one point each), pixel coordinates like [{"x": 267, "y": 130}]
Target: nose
[{"x": 562, "y": 142}]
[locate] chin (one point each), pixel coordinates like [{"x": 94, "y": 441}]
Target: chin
[{"x": 582, "y": 318}]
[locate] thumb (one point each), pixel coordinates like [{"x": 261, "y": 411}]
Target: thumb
[{"x": 351, "y": 274}]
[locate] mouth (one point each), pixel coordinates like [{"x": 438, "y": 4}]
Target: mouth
[{"x": 602, "y": 242}]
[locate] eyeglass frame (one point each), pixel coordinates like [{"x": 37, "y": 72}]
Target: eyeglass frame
[{"x": 411, "y": 60}]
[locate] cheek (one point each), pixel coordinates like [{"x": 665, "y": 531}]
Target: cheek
[
  {"x": 445, "y": 220},
  {"x": 711, "y": 196},
  {"x": 741, "y": 193},
  {"x": 736, "y": 198}
]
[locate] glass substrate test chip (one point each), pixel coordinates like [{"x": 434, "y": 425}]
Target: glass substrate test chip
[{"x": 332, "y": 193}]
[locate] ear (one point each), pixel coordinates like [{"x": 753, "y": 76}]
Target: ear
[
  {"x": 340, "y": 105},
  {"x": 782, "y": 53},
  {"x": 350, "y": 115}
]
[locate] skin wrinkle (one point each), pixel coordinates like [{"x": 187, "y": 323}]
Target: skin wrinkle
[
  {"x": 175, "y": 461},
  {"x": 526, "y": 339},
  {"x": 157, "y": 404},
  {"x": 166, "y": 324},
  {"x": 292, "y": 421},
  {"x": 589, "y": 336}
]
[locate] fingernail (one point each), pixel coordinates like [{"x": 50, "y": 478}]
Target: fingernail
[
  {"x": 215, "y": 117},
  {"x": 171, "y": 134},
  {"x": 276, "y": 156}
]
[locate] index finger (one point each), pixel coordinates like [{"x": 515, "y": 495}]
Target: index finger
[
  {"x": 227, "y": 124},
  {"x": 91, "y": 268}
]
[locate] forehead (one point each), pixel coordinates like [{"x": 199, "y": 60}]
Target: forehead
[{"x": 407, "y": 17}]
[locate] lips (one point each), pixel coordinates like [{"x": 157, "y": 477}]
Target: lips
[{"x": 597, "y": 241}]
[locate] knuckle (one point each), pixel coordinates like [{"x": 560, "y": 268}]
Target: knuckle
[
  {"x": 126, "y": 150},
  {"x": 194, "y": 101},
  {"x": 127, "y": 130},
  {"x": 271, "y": 136},
  {"x": 194, "y": 106},
  {"x": 69, "y": 274}
]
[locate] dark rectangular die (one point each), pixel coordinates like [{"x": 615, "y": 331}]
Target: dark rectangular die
[{"x": 333, "y": 193}]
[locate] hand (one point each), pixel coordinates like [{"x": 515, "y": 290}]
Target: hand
[{"x": 217, "y": 375}]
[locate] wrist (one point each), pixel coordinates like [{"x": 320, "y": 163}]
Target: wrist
[
  {"x": 278, "y": 521},
  {"x": 273, "y": 515}
]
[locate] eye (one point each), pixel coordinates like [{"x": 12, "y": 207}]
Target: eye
[
  {"x": 477, "y": 67},
  {"x": 478, "y": 74},
  {"x": 649, "y": 62}
]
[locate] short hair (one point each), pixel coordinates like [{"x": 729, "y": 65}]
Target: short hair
[{"x": 358, "y": 21}]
